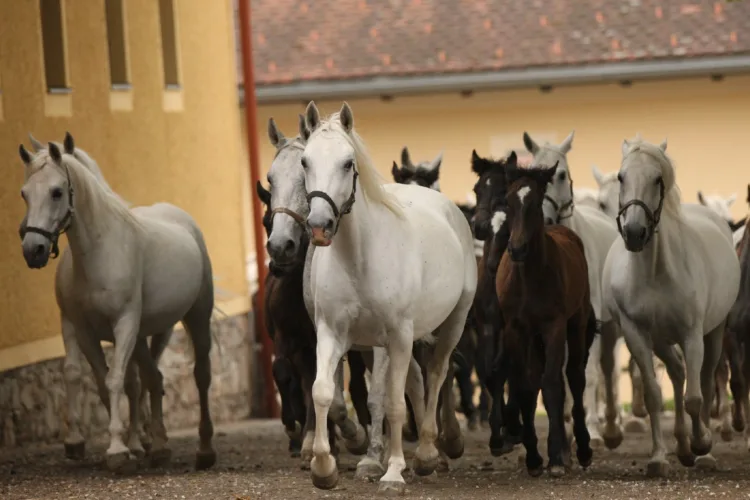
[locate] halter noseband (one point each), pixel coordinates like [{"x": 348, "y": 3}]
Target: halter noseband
[
  {"x": 291, "y": 213},
  {"x": 345, "y": 208},
  {"x": 570, "y": 204},
  {"x": 652, "y": 217},
  {"x": 62, "y": 227}
]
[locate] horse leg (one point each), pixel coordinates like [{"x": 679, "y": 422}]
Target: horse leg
[
  {"x": 658, "y": 466},
  {"x": 676, "y": 372},
  {"x": 637, "y": 421},
  {"x": 306, "y": 366},
  {"x": 125, "y": 329},
  {"x": 527, "y": 399},
  {"x": 610, "y": 369},
  {"x": 370, "y": 467},
  {"x": 737, "y": 382},
  {"x": 712, "y": 346},
  {"x": 399, "y": 354},
  {"x": 159, "y": 342},
  {"x": 358, "y": 387},
  {"x": 299, "y": 410},
  {"x": 451, "y": 440},
  {"x": 132, "y": 391},
  {"x": 744, "y": 399},
  {"x": 197, "y": 323},
  {"x": 415, "y": 392},
  {"x": 578, "y": 352},
  {"x": 159, "y": 454},
  {"x": 283, "y": 375},
  {"x": 329, "y": 351},
  {"x": 75, "y": 445},
  {"x": 448, "y": 334},
  {"x": 354, "y": 434},
  {"x": 723, "y": 408},
  {"x": 466, "y": 391},
  {"x": 697, "y": 353},
  {"x": 590, "y": 393},
  {"x": 553, "y": 396}
]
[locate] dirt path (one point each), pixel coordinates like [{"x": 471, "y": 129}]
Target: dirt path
[{"x": 254, "y": 464}]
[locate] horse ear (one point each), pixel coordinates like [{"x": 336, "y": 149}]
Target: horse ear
[
  {"x": 549, "y": 173},
  {"x": 54, "y": 152},
  {"x": 625, "y": 147},
  {"x": 347, "y": 117},
  {"x": 531, "y": 146},
  {"x": 512, "y": 159},
  {"x": 732, "y": 198},
  {"x": 36, "y": 145},
  {"x": 69, "y": 144},
  {"x": 748, "y": 194},
  {"x": 476, "y": 163},
  {"x": 26, "y": 157},
  {"x": 274, "y": 134},
  {"x": 304, "y": 132},
  {"x": 701, "y": 199},
  {"x": 567, "y": 144},
  {"x": 263, "y": 194},
  {"x": 598, "y": 176},
  {"x": 435, "y": 164},
  {"x": 312, "y": 116},
  {"x": 663, "y": 145},
  {"x": 405, "y": 158},
  {"x": 396, "y": 172}
]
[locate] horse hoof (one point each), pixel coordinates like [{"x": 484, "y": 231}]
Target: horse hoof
[
  {"x": 205, "y": 459},
  {"x": 557, "y": 471},
  {"x": 612, "y": 441},
  {"x": 502, "y": 450},
  {"x": 146, "y": 446},
  {"x": 657, "y": 469},
  {"x": 75, "y": 451},
  {"x": 295, "y": 454},
  {"x": 425, "y": 467},
  {"x": 391, "y": 488},
  {"x": 138, "y": 453},
  {"x": 453, "y": 448},
  {"x": 596, "y": 441},
  {"x": 369, "y": 469},
  {"x": 706, "y": 463},
  {"x": 584, "y": 457},
  {"x": 686, "y": 458},
  {"x": 738, "y": 424},
  {"x": 636, "y": 425},
  {"x": 727, "y": 435},
  {"x": 535, "y": 471},
  {"x": 700, "y": 449},
  {"x": 122, "y": 463},
  {"x": 326, "y": 483},
  {"x": 160, "y": 458},
  {"x": 473, "y": 423},
  {"x": 358, "y": 445}
]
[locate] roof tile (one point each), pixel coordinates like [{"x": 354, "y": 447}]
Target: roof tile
[{"x": 300, "y": 40}]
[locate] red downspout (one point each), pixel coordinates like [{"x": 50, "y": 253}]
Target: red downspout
[{"x": 271, "y": 407}]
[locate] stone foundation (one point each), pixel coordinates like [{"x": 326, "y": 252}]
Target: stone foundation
[{"x": 33, "y": 407}]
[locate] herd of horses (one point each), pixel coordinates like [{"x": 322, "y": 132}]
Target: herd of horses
[{"x": 533, "y": 287}]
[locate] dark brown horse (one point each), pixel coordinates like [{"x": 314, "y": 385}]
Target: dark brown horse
[
  {"x": 488, "y": 224},
  {"x": 737, "y": 339},
  {"x": 543, "y": 291}
]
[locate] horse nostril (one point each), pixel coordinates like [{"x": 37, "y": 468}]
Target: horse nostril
[
  {"x": 329, "y": 225},
  {"x": 289, "y": 246},
  {"x": 39, "y": 250},
  {"x": 548, "y": 221}
]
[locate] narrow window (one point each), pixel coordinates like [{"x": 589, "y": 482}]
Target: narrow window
[
  {"x": 53, "y": 40},
  {"x": 169, "y": 43},
  {"x": 118, "y": 60}
]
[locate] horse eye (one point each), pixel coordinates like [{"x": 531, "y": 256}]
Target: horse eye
[
  {"x": 304, "y": 163},
  {"x": 603, "y": 206},
  {"x": 561, "y": 176},
  {"x": 657, "y": 181},
  {"x": 57, "y": 193},
  {"x": 348, "y": 165},
  {"x": 23, "y": 195},
  {"x": 619, "y": 177}
]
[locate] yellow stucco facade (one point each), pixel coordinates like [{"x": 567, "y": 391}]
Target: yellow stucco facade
[{"x": 179, "y": 144}]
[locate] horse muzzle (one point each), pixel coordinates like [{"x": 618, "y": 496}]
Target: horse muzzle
[
  {"x": 36, "y": 251},
  {"x": 635, "y": 236}
]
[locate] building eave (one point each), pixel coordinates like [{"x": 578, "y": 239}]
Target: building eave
[{"x": 502, "y": 79}]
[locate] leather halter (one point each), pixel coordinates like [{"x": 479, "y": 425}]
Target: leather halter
[
  {"x": 345, "y": 208},
  {"x": 652, "y": 217},
  {"x": 291, "y": 213},
  {"x": 62, "y": 227},
  {"x": 565, "y": 206}
]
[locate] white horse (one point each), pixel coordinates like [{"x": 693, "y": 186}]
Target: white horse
[
  {"x": 135, "y": 274},
  {"x": 75, "y": 445},
  {"x": 394, "y": 267},
  {"x": 672, "y": 279},
  {"x": 722, "y": 206},
  {"x": 597, "y": 232},
  {"x": 289, "y": 209}
]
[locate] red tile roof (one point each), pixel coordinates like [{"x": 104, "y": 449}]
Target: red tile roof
[{"x": 306, "y": 40}]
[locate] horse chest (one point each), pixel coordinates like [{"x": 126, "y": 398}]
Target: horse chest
[{"x": 651, "y": 310}]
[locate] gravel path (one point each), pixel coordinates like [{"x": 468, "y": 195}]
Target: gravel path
[{"x": 254, "y": 464}]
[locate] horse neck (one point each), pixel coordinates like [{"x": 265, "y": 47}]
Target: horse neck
[
  {"x": 352, "y": 242},
  {"x": 662, "y": 256},
  {"x": 536, "y": 257},
  {"x": 95, "y": 216}
]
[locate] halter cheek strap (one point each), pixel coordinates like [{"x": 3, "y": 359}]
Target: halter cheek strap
[
  {"x": 653, "y": 217},
  {"x": 565, "y": 206},
  {"x": 62, "y": 227},
  {"x": 345, "y": 208}
]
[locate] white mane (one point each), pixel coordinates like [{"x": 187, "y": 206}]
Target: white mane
[{"x": 370, "y": 182}]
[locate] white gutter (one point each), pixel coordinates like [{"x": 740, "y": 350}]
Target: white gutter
[{"x": 511, "y": 78}]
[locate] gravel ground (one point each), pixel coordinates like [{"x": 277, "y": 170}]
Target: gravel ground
[{"x": 254, "y": 464}]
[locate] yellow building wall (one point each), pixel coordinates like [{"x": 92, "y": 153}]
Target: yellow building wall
[
  {"x": 181, "y": 147},
  {"x": 706, "y": 123}
]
